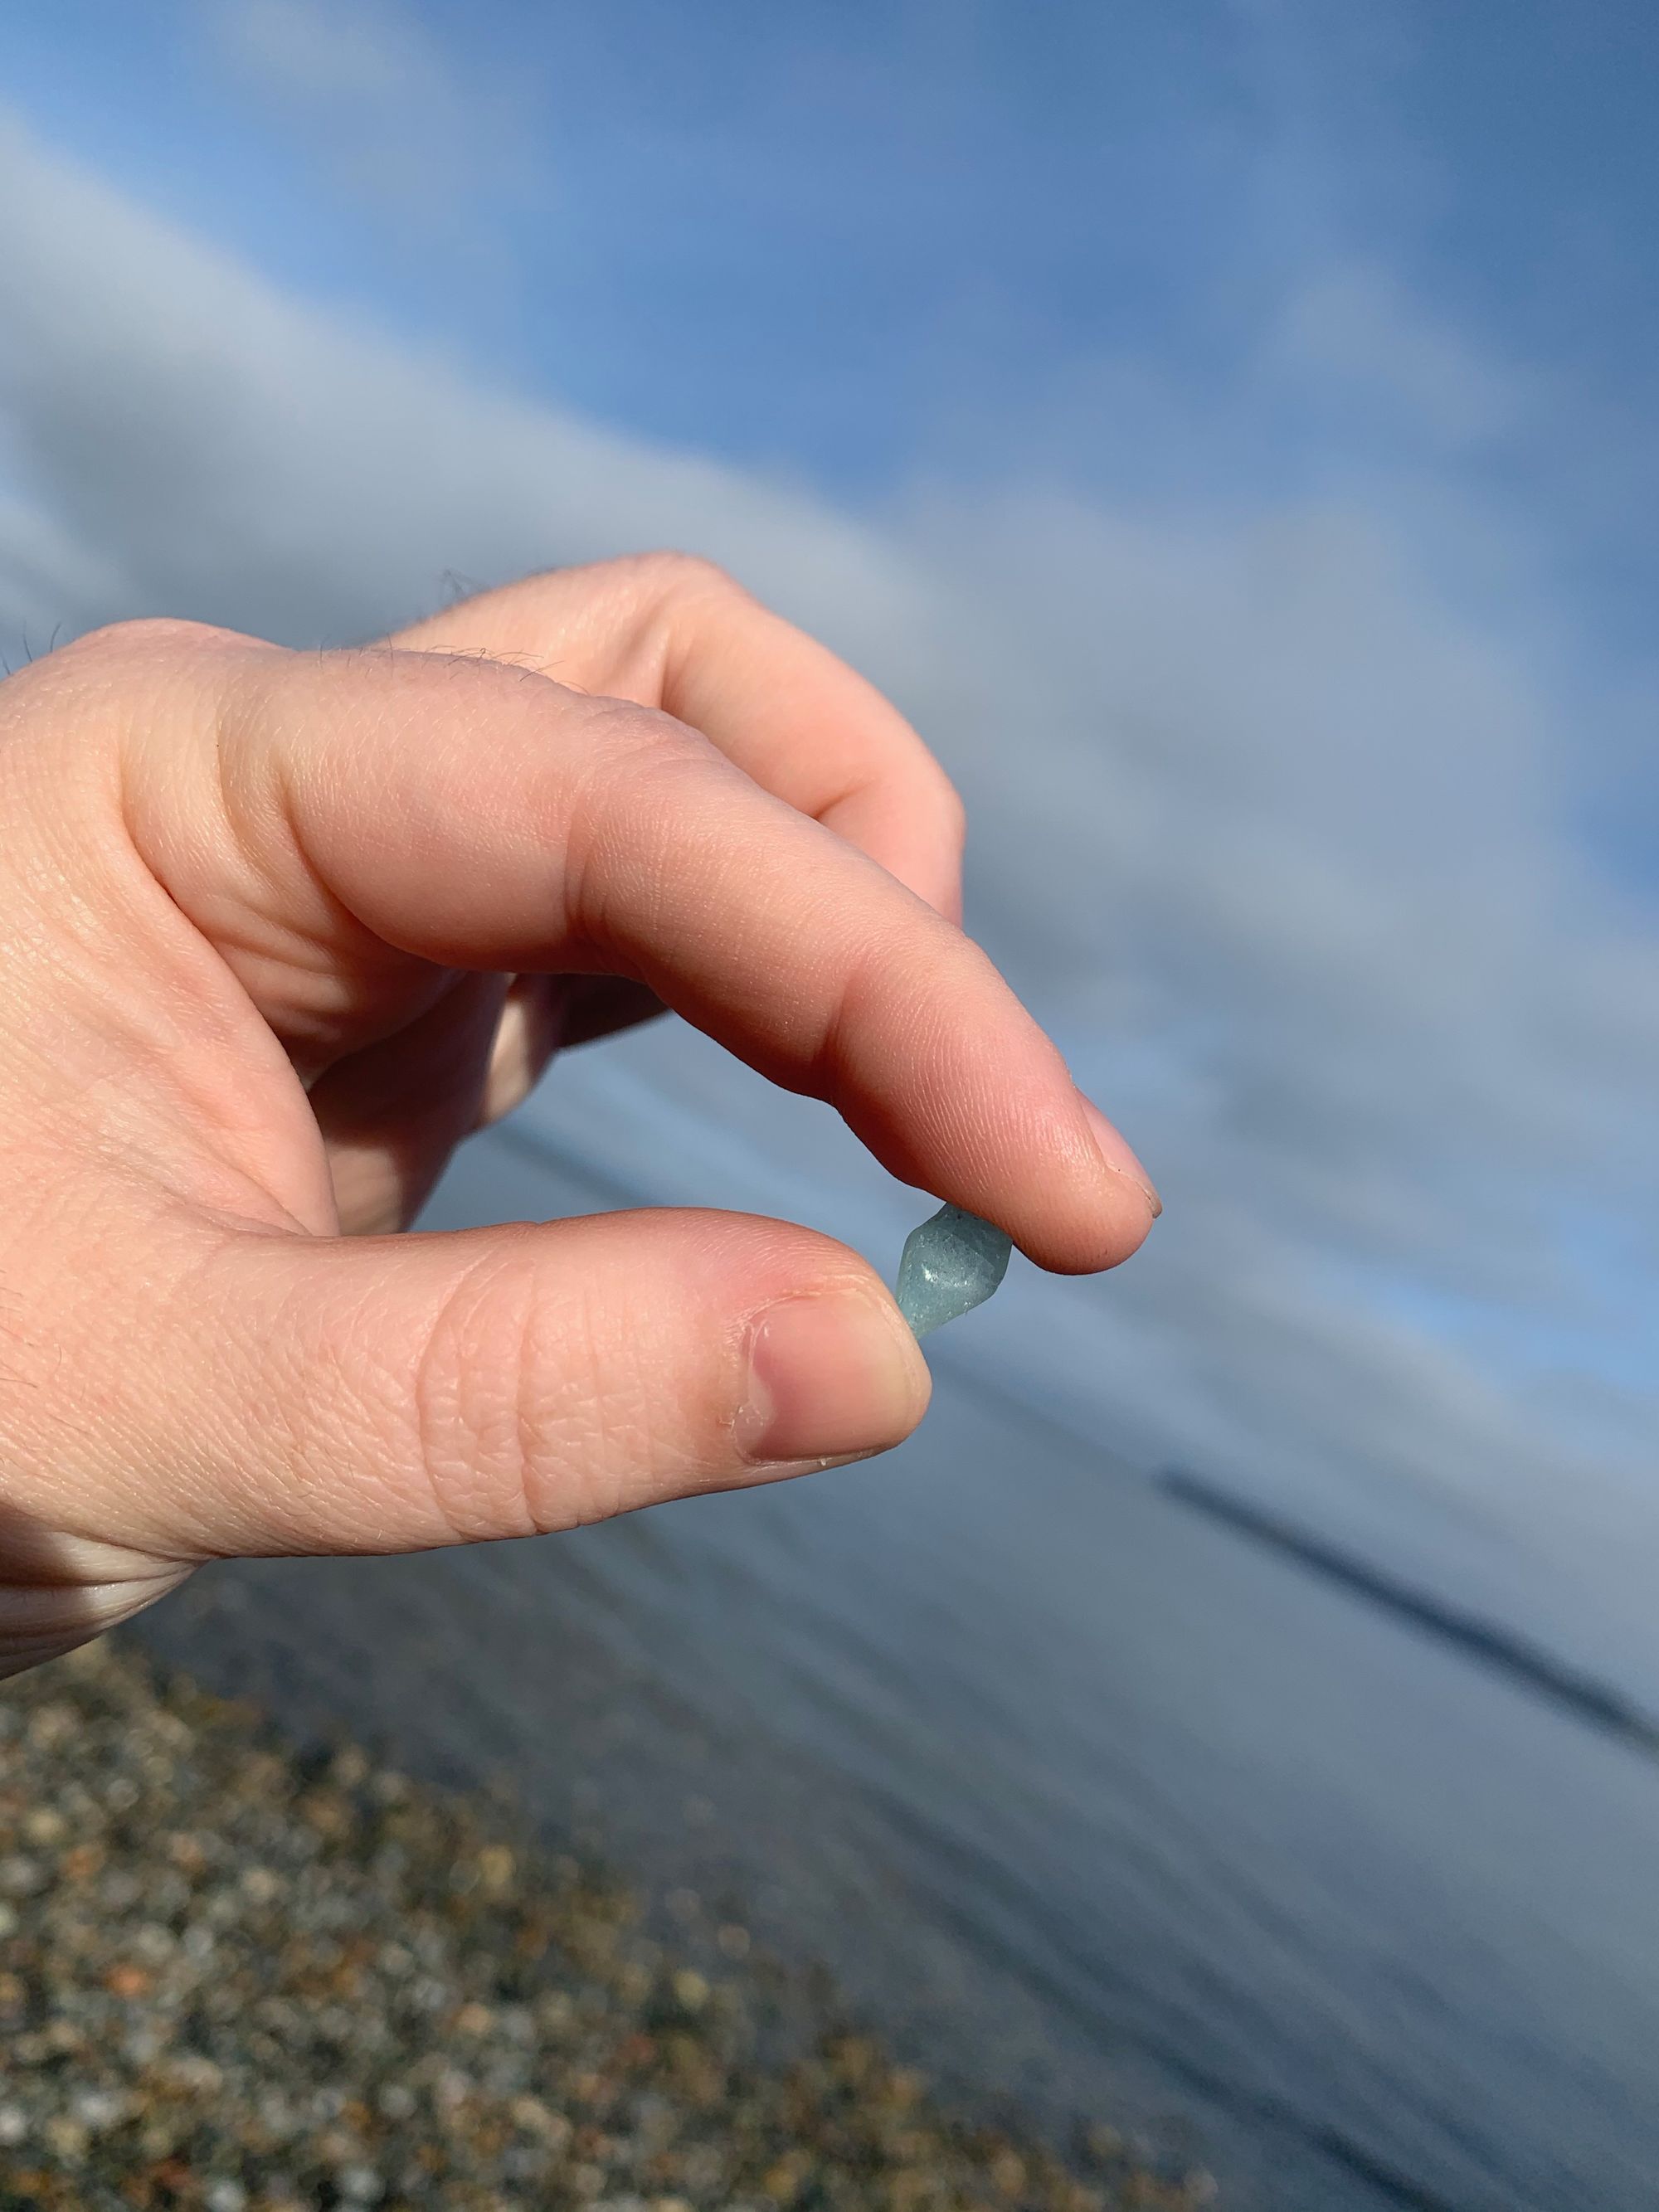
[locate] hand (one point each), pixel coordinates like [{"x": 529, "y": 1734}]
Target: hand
[{"x": 261, "y": 914}]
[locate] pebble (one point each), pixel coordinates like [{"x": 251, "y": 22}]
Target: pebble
[
  {"x": 240, "y": 1976},
  {"x": 951, "y": 1264}
]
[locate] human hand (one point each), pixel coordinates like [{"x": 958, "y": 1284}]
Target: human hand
[{"x": 262, "y": 912}]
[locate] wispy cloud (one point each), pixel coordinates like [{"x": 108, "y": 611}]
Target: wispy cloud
[
  {"x": 1275, "y": 830},
  {"x": 1355, "y": 331},
  {"x": 379, "y": 101}
]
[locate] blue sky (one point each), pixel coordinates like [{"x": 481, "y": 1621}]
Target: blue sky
[
  {"x": 860, "y": 244},
  {"x": 1229, "y": 429},
  {"x": 801, "y": 234}
]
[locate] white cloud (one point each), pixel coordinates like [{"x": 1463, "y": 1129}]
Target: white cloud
[
  {"x": 1275, "y": 837},
  {"x": 378, "y": 100},
  {"x": 1354, "y": 331},
  {"x": 309, "y": 52}
]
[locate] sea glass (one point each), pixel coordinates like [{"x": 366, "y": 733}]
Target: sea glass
[{"x": 951, "y": 1264}]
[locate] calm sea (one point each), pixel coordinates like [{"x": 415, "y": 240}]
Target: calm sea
[{"x": 1096, "y": 1806}]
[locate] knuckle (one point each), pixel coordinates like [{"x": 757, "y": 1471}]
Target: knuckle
[
  {"x": 674, "y": 589},
  {"x": 641, "y": 581},
  {"x": 634, "y": 759},
  {"x": 94, "y": 681},
  {"x": 521, "y": 1424},
  {"x": 631, "y": 737},
  {"x": 147, "y": 636},
  {"x": 631, "y": 807},
  {"x": 555, "y": 1393},
  {"x": 467, "y": 1398},
  {"x": 673, "y": 571}
]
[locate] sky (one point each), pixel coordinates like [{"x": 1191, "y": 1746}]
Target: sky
[{"x": 1228, "y": 430}]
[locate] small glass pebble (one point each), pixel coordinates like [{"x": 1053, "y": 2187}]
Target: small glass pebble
[{"x": 951, "y": 1263}]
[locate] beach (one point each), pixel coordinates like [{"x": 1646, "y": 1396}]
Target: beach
[
  {"x": 245, "y": 1974},
  {"x": 1098, "y": 1809}
]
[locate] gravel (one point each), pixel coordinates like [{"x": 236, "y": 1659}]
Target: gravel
[{"x": 236, "y": 1976}]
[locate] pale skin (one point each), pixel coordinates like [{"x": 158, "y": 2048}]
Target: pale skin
[{"x": 262, "y": 915}]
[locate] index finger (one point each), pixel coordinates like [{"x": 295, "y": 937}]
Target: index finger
[
  {"x": 476, "y": 816},
  {"x": 673, "y": 632}
]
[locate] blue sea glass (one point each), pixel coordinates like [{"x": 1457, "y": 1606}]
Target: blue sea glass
[{"x": 951, "y": 1264}]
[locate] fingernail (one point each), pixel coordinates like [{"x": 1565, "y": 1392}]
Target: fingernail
[
  {"x": 831, "y": 1375},
  {"x": 1117, "y": 1155}
]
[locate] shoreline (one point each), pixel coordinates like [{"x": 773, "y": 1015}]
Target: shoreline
[{"x": 243, "y": 1976}]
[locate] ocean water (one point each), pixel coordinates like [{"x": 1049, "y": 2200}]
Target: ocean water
[{"x": 1096, "y": 1806}]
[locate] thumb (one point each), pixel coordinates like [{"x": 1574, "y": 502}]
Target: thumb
[{"x": 392, "y": 1393}]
